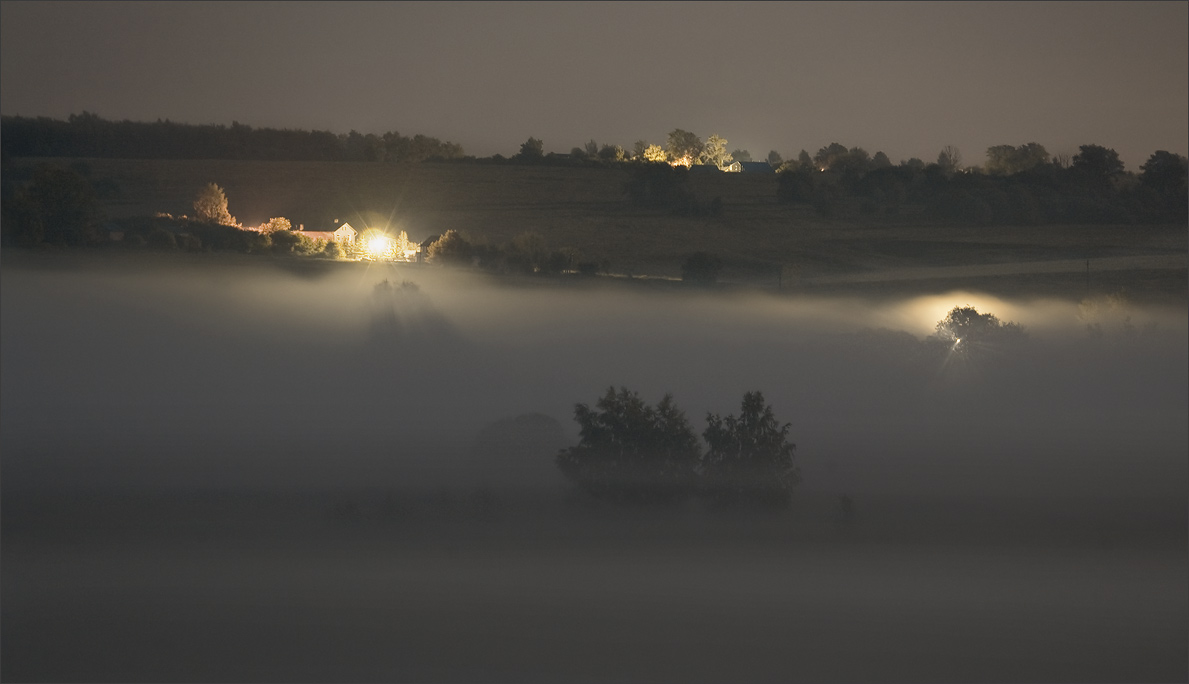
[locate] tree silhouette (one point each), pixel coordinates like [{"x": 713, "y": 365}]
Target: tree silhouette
[
  {"x": 749, "y": 460},
  {"x": 827, "y": 156},
  {"x": 1098, "y": 165},
  {"x": 632, "y": 452},
  {"x": 532, "y": 149},
  {"x": 950, "y": 159},
  {"x": 1165, "y": 172}
]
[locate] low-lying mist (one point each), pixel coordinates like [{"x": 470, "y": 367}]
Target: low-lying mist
[{"x": 238, "y": 374}]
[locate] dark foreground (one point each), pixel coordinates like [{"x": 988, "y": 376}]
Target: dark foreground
[{"x": 451, "y": 586}]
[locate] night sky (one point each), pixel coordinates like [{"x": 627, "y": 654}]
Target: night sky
[{"x": 906, "y": 79}]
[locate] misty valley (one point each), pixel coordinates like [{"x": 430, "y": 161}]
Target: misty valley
[{"x": 220, "y": 468}]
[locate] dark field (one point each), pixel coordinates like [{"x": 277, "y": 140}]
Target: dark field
[{"x": 425, "y": 586}]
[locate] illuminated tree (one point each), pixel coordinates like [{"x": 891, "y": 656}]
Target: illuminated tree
[
  {"x": 749, "y": 460},
  {"x": 683, "y": 147},
  {"x": 451, "y": 248},
  {"x": 656, "y": 153},
  {"x": 965, "y": 329},
  {"x": 211, "y": 206},
  {"x": 630, "y": 451},
  {"x": 402, "y": 244},
  {"x": 714, "y": 152},
  {"x": 275, "y": 224}
]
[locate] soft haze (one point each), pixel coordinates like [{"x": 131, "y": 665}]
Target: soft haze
[{"x": 906, "y": 79}]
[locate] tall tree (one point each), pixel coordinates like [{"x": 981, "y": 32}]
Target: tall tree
[
  {"x": 827, "y": 156},
  {"x": 683, "y": 147},
  {"x": 211, "y": 206},
  {"x": 532, "y": 149},
  {"x": 1164, "y": 172},
  {"x": 714, "y": 152},
  {"x": 950, "y": 159},
  {"x": 749, "y": 460},
  {"x": 1099, "y": 165},
  {"x": 656, "y": 153}
]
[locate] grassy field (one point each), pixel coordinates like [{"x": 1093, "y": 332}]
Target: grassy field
[{"x": 763, "y": 242}]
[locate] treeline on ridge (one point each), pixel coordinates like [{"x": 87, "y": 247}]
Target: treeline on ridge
[
  {"x": 1018, "y": 186},
  {"x": 88, "y": 135}
]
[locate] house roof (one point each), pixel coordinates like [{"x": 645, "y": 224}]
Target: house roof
[{"x": 756, "y": 166}]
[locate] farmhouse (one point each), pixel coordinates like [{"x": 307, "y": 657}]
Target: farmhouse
[{"x": 344, "y": 235}]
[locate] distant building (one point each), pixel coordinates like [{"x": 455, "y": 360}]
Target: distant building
[
  {"x": 344, "y": 235},
  {"x": 425, "y": 244},
  {"x": 756, "y": 167}
]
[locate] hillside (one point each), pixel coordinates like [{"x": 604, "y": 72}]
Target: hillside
[{"x": 762, "y": 241}]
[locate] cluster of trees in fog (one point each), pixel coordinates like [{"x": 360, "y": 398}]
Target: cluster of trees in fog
[
  {"x": 1022, "y": 185},
  {"x": 629, "y": 451},
  {"x": 88, "y": 135},
  {"x": 632, "y": 452}
]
